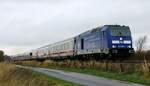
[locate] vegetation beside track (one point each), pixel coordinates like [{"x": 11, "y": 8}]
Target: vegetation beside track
[
  {"x": 1, "y": 55},
  {"x": 10, "y": 75},
  {"x": 137, "y": 73}
]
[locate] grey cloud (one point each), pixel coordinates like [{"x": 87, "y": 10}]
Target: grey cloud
[{"x": 33, "y": 23}]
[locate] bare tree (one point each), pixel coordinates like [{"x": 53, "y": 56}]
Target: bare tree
[{"x": 140, "y": 43}]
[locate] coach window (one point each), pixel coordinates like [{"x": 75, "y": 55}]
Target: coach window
[{"x": 82, "y": 44}]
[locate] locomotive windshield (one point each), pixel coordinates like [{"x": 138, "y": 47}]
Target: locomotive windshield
[{"x": 120, "y": 31}]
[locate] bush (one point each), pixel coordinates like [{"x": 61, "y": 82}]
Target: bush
[
  {"x": 1, "y": 55},
  {"x": 140, "y": 55}
]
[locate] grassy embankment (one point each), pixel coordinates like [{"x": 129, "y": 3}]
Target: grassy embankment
[
  {"x": 10, "y": 75},
  {"x": 137, "y": 73}
]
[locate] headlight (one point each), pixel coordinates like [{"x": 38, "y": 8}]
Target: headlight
[
  {"x": 113, "y": 46},
  {"x": 129, "y": 46}
]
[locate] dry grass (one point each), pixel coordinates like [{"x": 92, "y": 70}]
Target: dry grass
[
  {"x": 124, "y": 68},
  {"x": 104, "y": 66},
  {"x": 134, "y": 72},
  {"x": 13, "y": 76},
  {"x": 146, "y": 70},
  {"x": 4, "y": 69},
  {"x": 145, "y": 67}
]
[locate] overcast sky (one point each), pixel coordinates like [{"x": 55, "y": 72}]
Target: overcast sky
[{"x": 28, "y": 24}]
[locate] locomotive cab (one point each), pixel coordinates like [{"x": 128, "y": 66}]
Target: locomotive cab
[{"x": 120, "y": 40}]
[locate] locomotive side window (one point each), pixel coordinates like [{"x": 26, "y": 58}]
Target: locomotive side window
[{"x": 82, "y": 44}]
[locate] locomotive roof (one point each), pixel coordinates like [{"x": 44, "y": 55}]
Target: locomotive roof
[
  {"x": 92, "y": 30},
  {"x": 116, "y": 25}
]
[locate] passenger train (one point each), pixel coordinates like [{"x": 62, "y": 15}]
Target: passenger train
[{"x": 108, "y": 41}]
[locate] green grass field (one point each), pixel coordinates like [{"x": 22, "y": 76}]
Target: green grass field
[{"x": 134, "y": 77}]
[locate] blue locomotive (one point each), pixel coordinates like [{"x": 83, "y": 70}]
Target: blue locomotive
[
  {"x": 111, "y": 40},
  {"x": 101, "y": 42}
]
